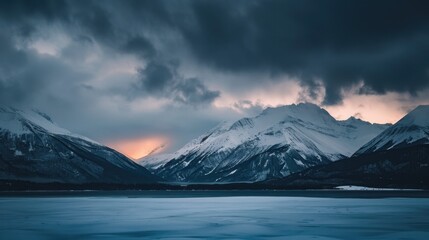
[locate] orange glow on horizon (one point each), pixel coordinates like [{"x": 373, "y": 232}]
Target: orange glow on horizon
[
  {"x": 140, "y": 147},
  {"x": 375, "y": 108}
]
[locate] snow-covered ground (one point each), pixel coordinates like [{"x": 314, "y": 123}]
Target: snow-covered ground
[
  {"x": 362, "y": 188},
  {"x": 213, "y": 217}
]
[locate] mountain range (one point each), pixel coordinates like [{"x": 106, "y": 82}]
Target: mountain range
[
  {"x": 33, "y": 148},
  {"x": 295, "y": 146},
  {"x": 276, "y": 143},
  {"x": 412, "y": 129},
  {"x": 398, "y": 158}
]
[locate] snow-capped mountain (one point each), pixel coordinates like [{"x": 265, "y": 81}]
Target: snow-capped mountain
[
  {"x": 276, "y": 143},
  {"x": 405, "y": 167},
  {"x": 33, "y": 148},
  {"x": 413, "y": 129}
]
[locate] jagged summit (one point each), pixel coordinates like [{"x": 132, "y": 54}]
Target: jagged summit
[
  {"x": 417, "y": 117},
  {"x": 275, "y": 143},
  {"x": 34, "y": 148},
  {"x": 20, "y": 122},
  {"x": 303, "y": 111},
  {"x": 412, "y": 129}
]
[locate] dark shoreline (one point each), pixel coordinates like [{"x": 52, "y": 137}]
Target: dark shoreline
[
  {"x": 164, "y": 190},
  {"x": 221, "y": 193}
]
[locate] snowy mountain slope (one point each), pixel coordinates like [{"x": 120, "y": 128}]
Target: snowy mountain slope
[
  {"x": 155, "y": 161},
  {"x": 33, "y": 148},
  {"x": 413, "y": 129},
  {"x": 275, "y": 143},
  {"x": 405, "y": 167}
]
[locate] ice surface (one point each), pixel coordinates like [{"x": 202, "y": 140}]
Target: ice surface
[{"x": 213, "y": 218}]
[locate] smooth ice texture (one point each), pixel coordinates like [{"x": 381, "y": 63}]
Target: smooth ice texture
[
  {"x": 411, "y": 129},
  {"x": 213, "y": 218}
]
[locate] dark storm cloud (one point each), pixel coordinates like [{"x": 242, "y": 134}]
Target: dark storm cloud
[
  {"x": 116, "y": 26},
  {"x": 327, "y": 45},
  {"x": 163, "y": 81},
  {"x": 141, "y": 47},
  {"x": 384, "y": 43},
  {"x": 23, "y": 18},
  {"x": 21, "y": 10},
  {"x": 9, "y": 57},
  {"x": 192, "y": 91},
  {"x": 156, "y": 78},
  {"x": 249, "y": 107},
  {"x": 93, "y": 20},
  {"x": 13, "y": 86}
]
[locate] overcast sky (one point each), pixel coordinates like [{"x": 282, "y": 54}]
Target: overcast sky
[{"x": 155, "y": 72}]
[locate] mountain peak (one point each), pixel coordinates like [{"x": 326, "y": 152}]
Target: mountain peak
[
  {"x": 277, "y": 142},
  {"x": 304, "y": 111},
  {"x": 16, "y": 121},
  {"x": 412, "y": 129},
  {"x": 354, "y": 120},
  {"x": 299, "y": 106},
  {"x": 307, "y": 105},
  {"x": 20, "y": 121},
  {"x": 418, "y": 117},
  {"x": 35, "y": 149}
]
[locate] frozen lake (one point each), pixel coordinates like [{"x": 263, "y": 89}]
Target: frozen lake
[{"x": 236, "y": 217}]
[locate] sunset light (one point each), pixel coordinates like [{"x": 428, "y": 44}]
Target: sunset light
[
  {"x": 203, "y": 119},
  {"x": 140, "y": 147}
]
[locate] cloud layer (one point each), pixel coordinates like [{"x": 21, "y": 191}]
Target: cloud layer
[{"x": 145, "y": 67}]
